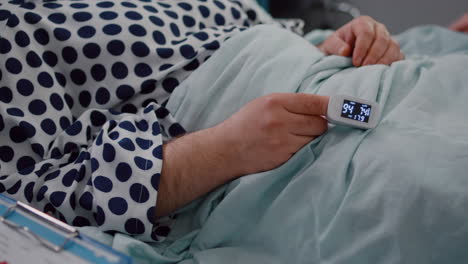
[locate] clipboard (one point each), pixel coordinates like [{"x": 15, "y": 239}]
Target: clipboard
[{"x": 28, "y": 235}]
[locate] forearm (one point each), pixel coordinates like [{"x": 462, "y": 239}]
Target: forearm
[{"x": 194, "y": 165}]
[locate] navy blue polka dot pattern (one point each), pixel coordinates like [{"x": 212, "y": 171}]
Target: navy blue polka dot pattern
[
  {"x": 61, "y": 34},
  {"x": 82, "y": 89},
  {"x": 134, "y": 226},
  {"x": 60, "y": 79},
  {"x": 81, "y": 221},
  {"x": 14, "y": 189},
  {"x": 118, "y": 205},
  {"x": 33, "y": 60},
  {"x": 139, "y": 193},
  {"x": 127, "y": 144},
  {"x": 57, "y": 198},
  {"x": 86, "y": 201},
  {"x": 24, "y": 87},
  {"x": 22, "y": 39},
  {"x": 45, "y": 80},
  {"x": 99, "y": 216}
]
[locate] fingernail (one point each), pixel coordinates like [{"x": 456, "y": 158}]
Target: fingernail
[{"x": 358, "y": 62}]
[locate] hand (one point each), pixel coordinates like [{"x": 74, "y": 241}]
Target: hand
[
  {"x": 269, "y": 130},
  {"x": 461, "y": 24},
  {"x": 366, "y": 40},
  {"x": 261, "y": 136}
]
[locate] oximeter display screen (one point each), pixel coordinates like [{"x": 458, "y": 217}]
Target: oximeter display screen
[{"x": 356, "y": 111}]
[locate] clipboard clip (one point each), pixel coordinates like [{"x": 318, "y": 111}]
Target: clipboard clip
[{"x": 71, "y": 232}]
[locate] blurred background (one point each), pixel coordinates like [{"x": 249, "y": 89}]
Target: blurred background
[{"x": 397, "y": 15}]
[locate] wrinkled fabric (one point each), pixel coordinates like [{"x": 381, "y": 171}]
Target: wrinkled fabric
[{"x": 393, "y": 194}]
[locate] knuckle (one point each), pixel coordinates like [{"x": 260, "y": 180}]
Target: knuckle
[
  {"x": 270, "y": 122},
  {"x": 367, "y": 33},
  {"x": 366, "y": 18},
  {"x": 384, "y": 36},
  {"x": 380, "y": 44},
  {"x": 382, "y": 39},
  {"x": 382, "y": 27},
  {"x": 270, "y": 101},
  {"x": 367, "y": 22},
  {"x": 360, "y": 21},
  {"x": 276, "y": 143}
]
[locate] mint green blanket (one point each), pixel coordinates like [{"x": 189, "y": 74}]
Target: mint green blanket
[{"x": 395, "y": 194}]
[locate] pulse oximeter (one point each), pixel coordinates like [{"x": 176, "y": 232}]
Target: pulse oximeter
[{"x": 351, "y": 111}]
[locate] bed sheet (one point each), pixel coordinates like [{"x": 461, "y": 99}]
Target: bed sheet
[{"x": 394, "y": 194}]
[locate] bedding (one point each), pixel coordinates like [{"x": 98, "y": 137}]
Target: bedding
[{"x": 394, "y": 194}]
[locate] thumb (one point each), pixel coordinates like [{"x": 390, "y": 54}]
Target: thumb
[{"x": 334, "y": 45}]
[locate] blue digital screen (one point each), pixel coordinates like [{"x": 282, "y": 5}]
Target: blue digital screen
[{"x": 356, "y": 111}]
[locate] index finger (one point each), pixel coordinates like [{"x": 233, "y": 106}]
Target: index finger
[{"x": 306, "y": 104}]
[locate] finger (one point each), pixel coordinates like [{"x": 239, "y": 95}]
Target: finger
[
  {"x": 307, "y": 125},
  {"x": 306, "y": 104},
  {"x": 461, "y": 24},
  {"x": 364, "y": 31},
  {"x": 380, "y": 45},
  {"x": 463, "y": 28},
  {"x": 336, "y": 46},
  {"x": 393, "y": 54},
  {"x": 459, "y": 27}
]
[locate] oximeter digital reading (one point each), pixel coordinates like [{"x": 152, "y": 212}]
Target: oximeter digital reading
[{"x": 351, "y": 111}]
